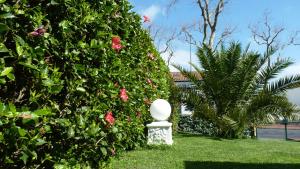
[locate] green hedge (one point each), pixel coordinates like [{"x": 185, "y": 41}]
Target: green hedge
[
  {"x": 76, "y": 81},
  {"x": 188, "y": 124}
]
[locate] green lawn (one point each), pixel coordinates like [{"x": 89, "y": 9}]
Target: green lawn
[{"x": 194, "y": 152}]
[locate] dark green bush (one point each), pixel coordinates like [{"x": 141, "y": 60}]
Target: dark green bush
[
  {"x": 64, "y": 65},
  {"x": 188, "y": 124}
]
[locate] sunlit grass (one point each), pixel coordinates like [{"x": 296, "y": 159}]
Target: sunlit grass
[{"x": 202, "y": 152}]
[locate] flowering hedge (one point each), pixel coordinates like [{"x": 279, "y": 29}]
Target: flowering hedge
[{"x": 76, "y": 81}]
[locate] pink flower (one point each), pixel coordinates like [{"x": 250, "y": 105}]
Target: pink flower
[
  {"x": 146, "y": 19},
  {"x": 109, "y": 118},
  {"x": 38, "y": 32},
  {"x": 116, "y": 43},
  {"x": 149, "y": 81},
  {"x": 123, "y": 95},
  {"x": 151, "y": 56}
]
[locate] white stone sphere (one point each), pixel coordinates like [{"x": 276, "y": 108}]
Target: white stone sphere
[{"x": 160, "y": 110}]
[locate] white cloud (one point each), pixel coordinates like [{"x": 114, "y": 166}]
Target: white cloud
[
  {"x": 152, "y": 11},
  {"x": 180, "y": 57}
]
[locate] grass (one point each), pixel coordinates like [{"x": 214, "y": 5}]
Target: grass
[{"x": 194, "y": 152}]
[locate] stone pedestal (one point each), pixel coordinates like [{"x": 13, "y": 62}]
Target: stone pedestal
[{"x": 160, "y": 133}]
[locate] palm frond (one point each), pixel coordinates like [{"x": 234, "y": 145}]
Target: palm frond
[
  {"x": 266, "y": 105},
  {"x": 267, "y": 55},
  {"x": 284, "y": 84},
  {"x": 271, "y": 72}
]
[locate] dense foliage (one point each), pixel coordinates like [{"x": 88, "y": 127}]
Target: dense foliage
[
  {"x": 237, "y": 90},
  {"x": 76, "y": 81},
  {"x": 195, "y": 125},
  {"x": 175, "y": 101}
]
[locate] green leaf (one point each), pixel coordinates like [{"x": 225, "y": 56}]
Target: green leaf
[
  {"x": 81, "y": 89},
  {"x": 3, "y": 48},
  {"x": 24, "y": 157},
  {"x": 81, "y": 121},
  {"x": 19, "y": 40},
  {"x": 48, "y": 82},
  {"x": 53, "y": 2},
  {"x": 8, "y": 160},
  {"x": 7, "y": 16},
  {"x": 40, "y": 142},
  {"x": 2, "y": 81},
  {"x": 2, "y": 108},
  {"x": 22, "y": 132},
  {"x": 34, "y": 155},
  {"x": 11, "y": 76},
  {"x": 47, "y": 128},
  {"x": 2, "y": 1},
  {"x": 3, "y": 27},
  {"x": 114, "y": 129},
  {"x": 93, "y": 43},
  {"x": 71, "y": 132},
  {"x": 42, "y": 112},
  {"x": 104, "y": 151},
  {"x": 19, "y": 49},
  {"x": 6, "y": 71},
  {"x": 29, "y": 66},
  {"x": 104, "y": 143},
  {"x": 102, "y": 134},
  {"x": 20, "y": 12},
  {"x": 12, "y": 107},
  {"x": 1, "y": 137}
]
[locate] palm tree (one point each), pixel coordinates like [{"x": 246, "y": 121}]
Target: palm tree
[{"x": 237, "y": 89}]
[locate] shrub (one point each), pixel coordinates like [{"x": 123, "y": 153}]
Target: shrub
[
  {"x": 174, "y": 100},
  {"x": 188, "y": 124},
  {"x": 77, "y": 78}
]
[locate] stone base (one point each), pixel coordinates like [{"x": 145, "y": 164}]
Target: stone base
[{"x": 160, "y": 133}]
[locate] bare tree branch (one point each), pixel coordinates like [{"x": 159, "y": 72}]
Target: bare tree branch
[
  {"x": 206, "y": 31},
  {"x": 171, "y": 4},
  {"x": 210, "y": 20},
  {"x": 293, "y": 39},
  {"x": 226, "y": 33},
  {"x": 267, "y": 36}
]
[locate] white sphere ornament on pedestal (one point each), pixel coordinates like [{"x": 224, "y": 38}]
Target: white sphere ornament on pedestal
[
  {"x": 160, "y": 110},
  {"x": 160, "y": 131}
]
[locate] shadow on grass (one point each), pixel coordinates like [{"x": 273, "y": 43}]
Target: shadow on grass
[
  {"x": 234, "y": 165},
  {"x": 294, "y": 139}
]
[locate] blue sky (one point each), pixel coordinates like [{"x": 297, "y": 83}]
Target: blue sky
[{"x": 237, "y": 13}]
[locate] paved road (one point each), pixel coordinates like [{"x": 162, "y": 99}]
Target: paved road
[{"x": 277, "y": 133}]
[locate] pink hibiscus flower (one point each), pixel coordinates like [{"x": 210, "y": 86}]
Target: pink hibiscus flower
[
  {"x": 146, "y": 19},
  {"x": 116, "y": 43},
  {"x": 123, "y": 95},
  {"x": 38, "y": 32},
  {"x": 109, "y": 118}
]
